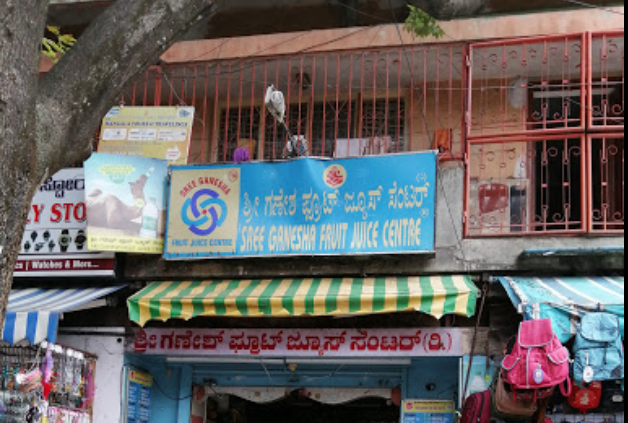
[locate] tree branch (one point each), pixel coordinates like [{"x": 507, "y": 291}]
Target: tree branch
[{"x": 88, "y": 80}]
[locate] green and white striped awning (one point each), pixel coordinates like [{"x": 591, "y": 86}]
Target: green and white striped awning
[{"x": 437, "y": 296}]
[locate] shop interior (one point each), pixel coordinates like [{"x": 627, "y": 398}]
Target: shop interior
[{"x": 298, "y": 408}]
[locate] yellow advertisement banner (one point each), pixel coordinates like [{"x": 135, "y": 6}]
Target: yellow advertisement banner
[
  {"x": 163, "y": 133},
  {"x": 141, "y": 378},
  {"x": 429, "y": 407}
]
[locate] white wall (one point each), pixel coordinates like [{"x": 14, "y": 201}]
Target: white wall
[{"x": 110, "y": 353}]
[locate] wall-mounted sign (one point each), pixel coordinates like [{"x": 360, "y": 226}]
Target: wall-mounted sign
[
  {"x": 62, "y": 266},
  {"x": 55, "y": 238},
  {"x": 126, "y": 203},
  {"x": 138, "y": 397},
  {"x": 428, "y": 412},
  {"x": 153, "y": 132},
  {"x": 374, "y": 205},
  {"x": 300, "y": 343}
]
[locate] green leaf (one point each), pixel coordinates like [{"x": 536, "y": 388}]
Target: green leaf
[{"x": 422, "y": 25}]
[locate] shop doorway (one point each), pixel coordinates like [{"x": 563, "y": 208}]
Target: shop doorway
[{"x": 298, "y": 408}]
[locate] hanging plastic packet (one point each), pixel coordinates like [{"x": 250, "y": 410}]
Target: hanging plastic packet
[{"x": 30, "y": 381}]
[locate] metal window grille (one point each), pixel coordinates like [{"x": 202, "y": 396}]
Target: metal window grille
[
  {"x": 538, "y": 160},
  {"x": 529, "y": 86},
  {"x": 607, "y": 77},
  {"x": 607, "y": 176},
  {"x": 526, "y": 186}
]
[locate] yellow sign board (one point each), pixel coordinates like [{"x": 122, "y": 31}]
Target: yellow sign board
[
  {"x": 428, "y": 411},
  {"x": 141, "y": 378},
  {"x": 163, "y": 133}
]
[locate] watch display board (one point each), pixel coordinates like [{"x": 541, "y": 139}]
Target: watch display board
[{"x": 55, "y": 239}]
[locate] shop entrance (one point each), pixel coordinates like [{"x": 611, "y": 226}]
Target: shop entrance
[{"x": 298, "y": 408}]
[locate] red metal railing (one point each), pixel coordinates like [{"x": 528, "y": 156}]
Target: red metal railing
[
  {"x": 532, "y": 117},
  {"x": 607, "y": 176},
  {"x": 607, "y": 77},
  {"x": 529, "y": 86},
  {"x": 526, "y": 186},
  {"x": 349, "y": 103}
]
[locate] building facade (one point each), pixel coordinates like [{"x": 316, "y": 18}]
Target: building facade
[{"x": 526, "y": 114}]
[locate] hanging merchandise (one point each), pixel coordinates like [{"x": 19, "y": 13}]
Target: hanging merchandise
[
  {"x": 46, "y": 384},
  {"x": 505, "y": 406},
  {"x": 538, "y": 361},
  {"x": 477, "y": 408},
  {"x": 586, "y": 399},
  {"x": 599, "y": 349}
]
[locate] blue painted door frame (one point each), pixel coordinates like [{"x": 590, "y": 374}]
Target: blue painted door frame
[{"x": 434, "y": 378}]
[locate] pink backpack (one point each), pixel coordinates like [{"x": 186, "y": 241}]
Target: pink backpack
[{"x": 538, "y": 361}]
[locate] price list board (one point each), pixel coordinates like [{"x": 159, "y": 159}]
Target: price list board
[
  {"x": 139, "y": 391},
  {"x": 428, "y": 412}
]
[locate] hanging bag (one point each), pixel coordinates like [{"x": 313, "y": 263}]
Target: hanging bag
[
  {"x": 507, "y": 408},
  {"x": 478, "y": 408},
  {"x": 538, "y": 360},
  {"x": 599, "y": 349},
  {"x": 586, "y": 399}
]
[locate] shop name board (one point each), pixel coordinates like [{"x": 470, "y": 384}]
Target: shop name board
[
  {"x": 54, "y": 243},
  {"x": 301, "y": 343},
  {"x": 373, "y": 205}
]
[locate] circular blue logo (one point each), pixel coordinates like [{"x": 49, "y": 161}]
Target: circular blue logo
[{"x": 204, "y": 212}]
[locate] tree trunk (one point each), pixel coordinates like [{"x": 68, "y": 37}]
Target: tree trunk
[
  {"x": 48, "y": 124},
  {"x": 21, "y": 29}
]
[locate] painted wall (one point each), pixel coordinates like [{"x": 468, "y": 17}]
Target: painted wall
[{"x": 110, "y": 353}]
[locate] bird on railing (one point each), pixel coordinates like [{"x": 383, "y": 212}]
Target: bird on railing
[{"x": 276, "y": 104}]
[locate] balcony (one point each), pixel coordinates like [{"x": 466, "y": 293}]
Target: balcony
[{"x": 346, "y": 104}]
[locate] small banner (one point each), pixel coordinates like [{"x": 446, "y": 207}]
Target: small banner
[
  {"x": 126, "y": 203},
  {"x": 153, "y": 132},
  {"x": 428, "y": 412}
]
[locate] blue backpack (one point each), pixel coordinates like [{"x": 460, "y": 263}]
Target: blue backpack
[{"x": 599, "y": 349}]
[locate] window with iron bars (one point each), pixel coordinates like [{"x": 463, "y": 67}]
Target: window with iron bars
[{"x": 544, "y": 156}]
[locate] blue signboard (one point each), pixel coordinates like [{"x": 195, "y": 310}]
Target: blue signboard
[
  {"x": 139, "y": 391},
  {"x": 307, "y": 207}
]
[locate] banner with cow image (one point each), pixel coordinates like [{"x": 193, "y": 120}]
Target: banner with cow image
[
  {"x": 126, "y": 203},
  {"x": 306, "y": 207}
]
